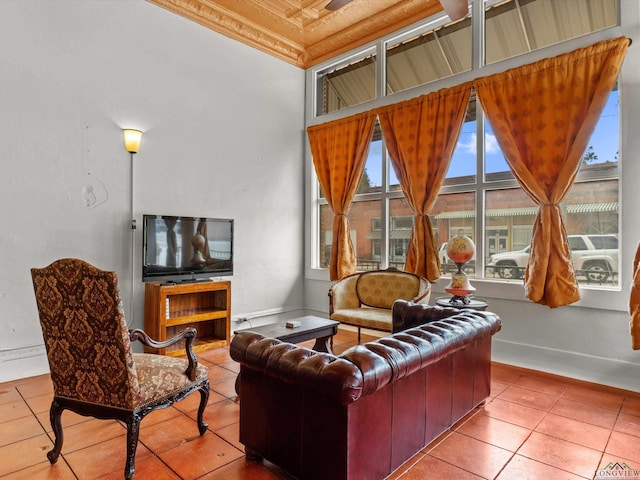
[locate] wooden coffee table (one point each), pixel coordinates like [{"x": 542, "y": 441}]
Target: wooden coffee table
[{"x": 310, "y": 328}]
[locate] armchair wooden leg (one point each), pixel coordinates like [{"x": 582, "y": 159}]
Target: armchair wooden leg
[
  {"x": 133, "y": 430},
  {"x": 204, "y": 398},
  {"x": 54, "y": 415}
]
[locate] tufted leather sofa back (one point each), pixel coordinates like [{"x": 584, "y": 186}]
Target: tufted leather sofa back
[{"x": 433, "y": 333}]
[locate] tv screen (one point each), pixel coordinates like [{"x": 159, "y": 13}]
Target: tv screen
[{"x": 184, "y": 249}]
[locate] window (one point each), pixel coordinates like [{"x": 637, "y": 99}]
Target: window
[
  {"x": 420, "y": 57},
  {"x": 347, "y": 83},
  {"x": 480, "y": 197},
  {"x": 514, "y": 27}
]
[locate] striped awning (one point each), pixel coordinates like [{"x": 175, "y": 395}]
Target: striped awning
[
  {"x": 395, "y": 234},
  {"x": 458, "y": 214},
  {"x": 523, "y": 211},
  {"x": 592, "y": 207}
]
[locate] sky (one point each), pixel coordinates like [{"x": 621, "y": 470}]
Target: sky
[{"x": 604, "y": 140}]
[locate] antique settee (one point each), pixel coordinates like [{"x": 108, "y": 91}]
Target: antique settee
[
  {"x": 362, "y": 414},
  {"x": 364, "y": 299}
]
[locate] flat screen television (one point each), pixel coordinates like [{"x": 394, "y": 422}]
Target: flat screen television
[{"x": 186, "y": 249}]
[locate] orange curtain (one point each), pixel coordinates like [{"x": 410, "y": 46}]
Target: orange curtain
[
  {"x": 634, "y": 302},
  {"x": 543, "y": 115},
  {"x": 340, "y": 150},
  {"x": 420, "y": 135}
]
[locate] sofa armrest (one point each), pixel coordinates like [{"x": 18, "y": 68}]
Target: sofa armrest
[
  {"x": 337, "y": 378},
  {"x": 405, "y": 315}
]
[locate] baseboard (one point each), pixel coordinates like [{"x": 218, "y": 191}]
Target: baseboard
[
  {"x": 590, "y": 368},
  {"x": 23, "y": 362},
  {"x": 29, "y": 361},
  {"x": 264, "y": 317}
]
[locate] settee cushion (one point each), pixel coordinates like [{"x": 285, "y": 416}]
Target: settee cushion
[{"x": 366, "y": 317}]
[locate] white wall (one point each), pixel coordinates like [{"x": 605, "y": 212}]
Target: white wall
[
  {"x": 589, "y": 340},
  {"x": 223, "y": 125}
]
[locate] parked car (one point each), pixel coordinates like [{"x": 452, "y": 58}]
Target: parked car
[
  {"x": 593, "y": 256},
  {"x": 442, "y": 253}
]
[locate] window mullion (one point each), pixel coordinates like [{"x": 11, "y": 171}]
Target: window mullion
[
  {"x": 384, "y": 244},
  {"x": 480, "y": 190},
  {"x": 477, "y": 35}
]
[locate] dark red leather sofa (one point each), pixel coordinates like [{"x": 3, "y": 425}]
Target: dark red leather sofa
[{"x": 362, "y": 414}]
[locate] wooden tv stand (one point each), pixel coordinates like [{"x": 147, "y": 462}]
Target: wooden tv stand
[{"x": 205, "y": 306}]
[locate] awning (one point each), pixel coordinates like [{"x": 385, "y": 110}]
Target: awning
[
  {"x": 522, "y": 211},
  {"x": 512, "y": 212},
  {"x": 592, "y": 207},
  {"x": 395, "y": 234},
  {"x": 459, "y": 214}
]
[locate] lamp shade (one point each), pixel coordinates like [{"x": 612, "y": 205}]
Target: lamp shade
[{"x": 132, "y": 140}]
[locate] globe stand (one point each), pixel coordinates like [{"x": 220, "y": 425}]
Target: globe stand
[
  {"x": 457, "y": 300},
  {"x": 460, "y": 287},
  {"x": 460, "y": 249}
]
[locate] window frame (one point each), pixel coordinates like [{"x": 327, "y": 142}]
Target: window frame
[{"x": 611, "y": 298}]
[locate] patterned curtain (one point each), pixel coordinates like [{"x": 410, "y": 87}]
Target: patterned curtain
[
  {"x": 543, "y": 115},
  {"x": 634, "y": 302},
  {"x": 420, "y": 135},
  {"x": 340, "y": 150}
]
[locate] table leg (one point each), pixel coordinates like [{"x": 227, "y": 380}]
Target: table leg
[{"x": 323, "y": 344}]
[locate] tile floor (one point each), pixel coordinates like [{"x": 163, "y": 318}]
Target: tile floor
[{"x": 534, "y": 426}]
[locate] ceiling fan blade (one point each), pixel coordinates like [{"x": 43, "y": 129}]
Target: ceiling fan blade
[
  {"x": 456, "y": 9},
  {"x": 336, "y": 4}
]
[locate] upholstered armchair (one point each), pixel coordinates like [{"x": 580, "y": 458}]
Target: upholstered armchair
[
  {"x": 93, "y": 368},
  {"x": 365, "y": 299}
]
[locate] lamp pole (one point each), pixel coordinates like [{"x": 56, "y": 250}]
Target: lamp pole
[{"x": 132, "y": 145}]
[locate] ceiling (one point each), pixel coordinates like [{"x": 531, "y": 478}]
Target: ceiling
[{"x": 303, "y": 32}]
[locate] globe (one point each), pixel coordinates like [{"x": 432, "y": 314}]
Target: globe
[{"x": 460, "y": 249}]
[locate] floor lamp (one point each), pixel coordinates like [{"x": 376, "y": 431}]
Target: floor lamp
[{"x": 132, "y": 145}]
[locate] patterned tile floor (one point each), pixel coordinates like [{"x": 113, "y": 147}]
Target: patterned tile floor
[{"x": 534, "y": 426}]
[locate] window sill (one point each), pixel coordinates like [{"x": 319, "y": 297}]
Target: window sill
[
  {"x": 614, "y": 298},
  {"x": 590, "y": 297}
]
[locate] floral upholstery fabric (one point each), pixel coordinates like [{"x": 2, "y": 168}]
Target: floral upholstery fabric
[
  {"x": 160, "y": 376},
  {"x": 381, "y": 289},
  {"x": 373, "y": 318},
  {"x": 365, "y": 299},
  {"x": 88, "y": 344},
  {"x": 85, "y": 335}
]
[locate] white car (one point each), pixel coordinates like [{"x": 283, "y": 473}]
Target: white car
[
  {"x": 594, "y": 257},
  {"x": 442, "y": 254}
]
